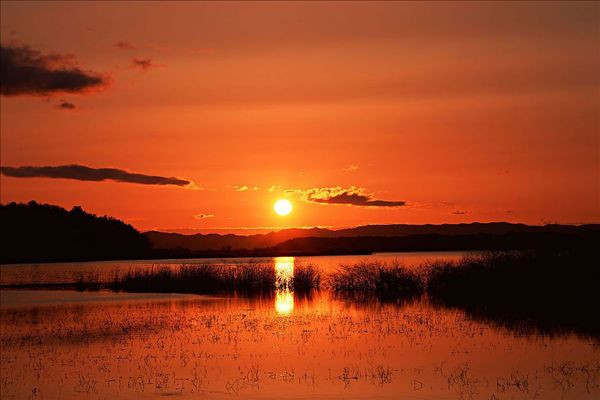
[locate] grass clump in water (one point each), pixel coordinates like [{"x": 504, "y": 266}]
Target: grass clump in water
[
  {"x": 307, "y": 277},
  {"x": 549, "y": 291},
  {"x": 197, "y": 279},
  {"x": 247, "y": 278},
  {"x": 384, "y": 281}
]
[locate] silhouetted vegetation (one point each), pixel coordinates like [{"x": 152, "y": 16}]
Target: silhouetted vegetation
[
  {"x": 35, "y": 232},
  {"x": 249, "y": 278},
  {"x": 209, "y": 278},
  {"x": 306, "y": 278},
  {"x": 545, "y": 290},
  {"x": 548, "y": 291},
  {"x": 386, "y": 282}
]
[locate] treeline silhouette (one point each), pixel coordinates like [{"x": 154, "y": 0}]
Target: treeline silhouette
[{"x": 36, "y": 232}]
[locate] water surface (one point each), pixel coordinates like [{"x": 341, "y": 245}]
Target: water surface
[
  {"x": 105, "y": 270},
  {"x": 66, "y": 344}
]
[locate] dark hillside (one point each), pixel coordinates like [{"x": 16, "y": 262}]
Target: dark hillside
[{"x": 36, "y": 232}]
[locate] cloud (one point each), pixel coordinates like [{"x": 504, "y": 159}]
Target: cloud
[
  {"x": 24, "y": 71},
  {"x": 350, "y": 196},
  {"x": 83, "y": 173},
  {"x": 244, "y": 188},
  {"x": 65, "y": 105},
  {"x": 458, "y": 212},
  {"x": 124, "y": 45},
  {"x": 144, "y": 64},
  {"x": 203, "y": 216}
]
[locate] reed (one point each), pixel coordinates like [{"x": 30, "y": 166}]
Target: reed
[{"x": 384, "y": 281}]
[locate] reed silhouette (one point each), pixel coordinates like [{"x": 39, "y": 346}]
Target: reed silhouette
[
  {"x": 383, "y": 281},
  {"x": 548, "y": 291},
  {"x": 251, "y": 278}
]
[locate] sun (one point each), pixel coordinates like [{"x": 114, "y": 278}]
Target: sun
[{"x": 282, "y": 207}]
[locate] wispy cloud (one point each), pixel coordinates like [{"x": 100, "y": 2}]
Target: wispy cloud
[
  {"x": 458, "y": 212},
  {"x": 353, "y": 196},
  {"x": 124, "y": 45},
  {"x": 25, "y": 71},
  {"x": 83, "y": 173},
  {"x": 144, "y": 64},
  {"x": 244, "y": 188},
  {"x": 65, "y": 105},
  {"x": 350, "y": 168}
]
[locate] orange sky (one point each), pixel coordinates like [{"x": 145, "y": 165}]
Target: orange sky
[{"x": 466, "y": 112}]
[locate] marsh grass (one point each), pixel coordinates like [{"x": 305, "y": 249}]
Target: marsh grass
[
  {"x": 251, "y": 278},
  {"x": 90, "y": 282},
  {"x": 306, "y": 278},
  {"x": 548, "y": 291},
  {"x": 383, "y": 281}
]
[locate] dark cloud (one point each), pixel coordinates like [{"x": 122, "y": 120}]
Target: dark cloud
[
  {"x": 27, "y": 71},
  {"x": 65, "y": 105},
  {"x": 124, "y": 45},
  {"x": 83, "y": 173},
  {"x": 203, "y": 216},
  {"x": 142, "y": 63},
  {"x": 350, "y": 196}
]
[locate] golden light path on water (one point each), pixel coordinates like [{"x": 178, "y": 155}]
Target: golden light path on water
[{"x": 284, "y": 296}]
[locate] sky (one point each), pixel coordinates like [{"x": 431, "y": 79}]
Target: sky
[{"x": 197, "y": 117}]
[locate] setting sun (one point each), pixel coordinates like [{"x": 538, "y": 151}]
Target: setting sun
[{"x": 282, "y": 207}]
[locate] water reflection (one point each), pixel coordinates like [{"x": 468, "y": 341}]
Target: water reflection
[
  {"x": 238, "y": 347},
  {"x": 284, "y": 296}
]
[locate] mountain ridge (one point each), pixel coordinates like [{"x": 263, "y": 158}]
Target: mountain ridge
[{"x": 215, "y": 241}]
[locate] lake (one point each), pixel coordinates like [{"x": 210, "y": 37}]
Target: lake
[
  {"x": 65, "y": 344},
  {"x": 105, "y": 270}
]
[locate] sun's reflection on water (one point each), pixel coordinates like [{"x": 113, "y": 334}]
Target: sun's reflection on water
[{"x": 284, "y": 296}]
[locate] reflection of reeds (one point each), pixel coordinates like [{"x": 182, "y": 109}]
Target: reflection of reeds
[
  {"x": 90, "y": 282},
  {"x": 384, "y": 281}
]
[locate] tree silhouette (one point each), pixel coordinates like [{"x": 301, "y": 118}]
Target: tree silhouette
[{"x": 36, "y": 232}]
